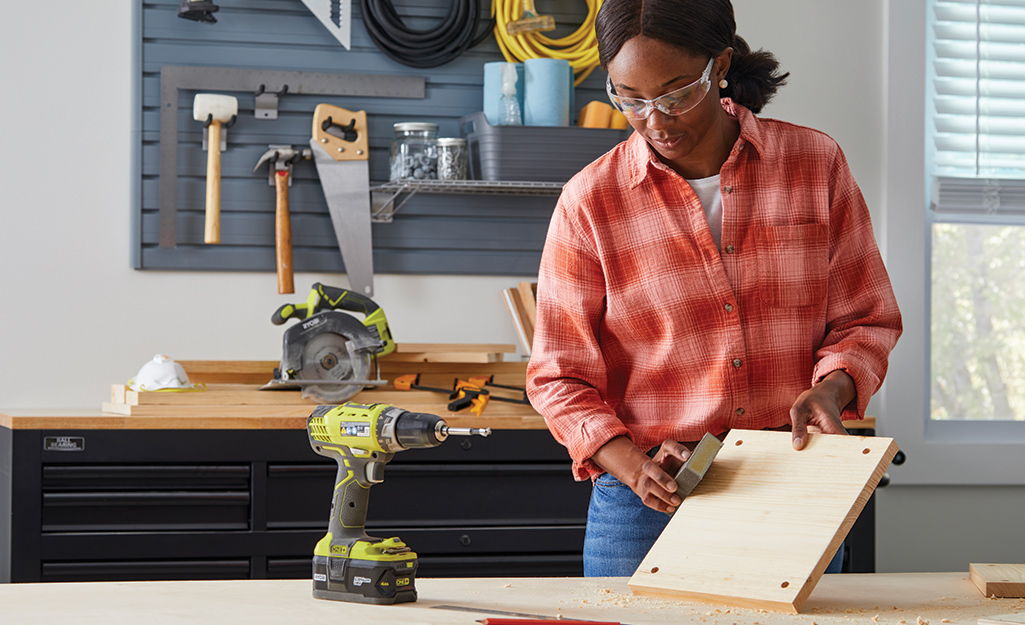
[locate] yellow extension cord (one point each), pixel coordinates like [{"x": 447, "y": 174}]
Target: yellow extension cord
[{"x": 579, "y": 48}]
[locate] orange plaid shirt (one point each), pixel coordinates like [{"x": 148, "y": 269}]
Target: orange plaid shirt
[{"x": 645, "y": 329}]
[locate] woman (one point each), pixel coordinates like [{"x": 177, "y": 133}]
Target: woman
[{"x": 714, "y": 271}]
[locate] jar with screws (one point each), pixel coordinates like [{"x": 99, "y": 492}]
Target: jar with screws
[
  {"x": 451, "y": 158},
  {"x": 414, "y": 152}
]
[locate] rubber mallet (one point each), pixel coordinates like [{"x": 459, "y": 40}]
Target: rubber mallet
[{"x": 213, "y": 110}]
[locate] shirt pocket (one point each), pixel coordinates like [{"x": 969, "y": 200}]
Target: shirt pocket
[{"x": 793, "y": 264}]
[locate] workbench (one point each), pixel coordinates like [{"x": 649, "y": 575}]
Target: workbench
[
  {"x": 866, "y": 599},
  {"x": 223, "y": 485}
]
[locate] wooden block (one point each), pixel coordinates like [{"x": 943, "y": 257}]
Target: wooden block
[
  {"x": 528, "y": 299},
  {"x": 998, "y": 580},
  {"x": 117, "y": 393},
  {"x": 453, "y": 357},
  {"x": 524, "y": 328},
  {"x": 229, "y": 371},
  {"x": 458, "y": 348},
  {"x": 759, "y": 530}
]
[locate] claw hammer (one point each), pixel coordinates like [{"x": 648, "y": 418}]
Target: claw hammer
[{"x": 281, "y": 158}]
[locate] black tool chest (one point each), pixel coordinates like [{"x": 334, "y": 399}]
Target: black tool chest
[
  {"x": 230, "y": 504},
  {"x": 237, "y": 504}
]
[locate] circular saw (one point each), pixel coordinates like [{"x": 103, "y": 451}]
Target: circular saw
[{"x": 330, "y": 354}]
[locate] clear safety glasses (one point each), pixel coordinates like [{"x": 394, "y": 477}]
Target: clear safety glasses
[{"x": 675, "y": 102}]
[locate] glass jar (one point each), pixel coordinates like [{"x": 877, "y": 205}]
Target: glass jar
[
  {"x": 451, "y": 159},
  {"x": 414, "y": 152}
]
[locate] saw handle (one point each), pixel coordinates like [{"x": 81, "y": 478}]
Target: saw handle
[
  {"x": 283, "y": 233},
  {"x": 288, "y": 311},
  {"x": 333, "y": 298}
]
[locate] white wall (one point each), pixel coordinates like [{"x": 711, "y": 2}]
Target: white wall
[{"x": 76, "y": 318}]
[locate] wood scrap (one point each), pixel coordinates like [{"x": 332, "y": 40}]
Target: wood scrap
[
  {"x": 998, "y": 580},
  {"x": 524, "y": 327}
]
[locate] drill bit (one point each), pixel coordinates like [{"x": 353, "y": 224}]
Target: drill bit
[{"x": 466, "y": 431}]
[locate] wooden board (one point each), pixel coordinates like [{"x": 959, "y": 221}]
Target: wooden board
[
  {"x": 761, "y": 527},
  {"x": 1003, "y": 619},
  {"x": 998, "y": 580}
]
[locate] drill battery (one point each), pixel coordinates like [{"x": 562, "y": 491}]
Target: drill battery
[{"x": 360, "y": 580}]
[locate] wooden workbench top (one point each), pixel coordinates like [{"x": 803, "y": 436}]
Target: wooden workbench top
[
  {"x": 252, "y": 418},
  {"x": 877, "y": 599}
]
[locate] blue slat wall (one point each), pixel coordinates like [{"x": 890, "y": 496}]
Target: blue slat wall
[{"x": 432, "y": 234}]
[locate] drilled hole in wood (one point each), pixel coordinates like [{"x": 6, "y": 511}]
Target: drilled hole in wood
[
  {"x": 784, "y": 584},
  {"x": 866, "y": 450},
  {"x": 739, "y": 443},
  {"x": 654, "y": 569}
]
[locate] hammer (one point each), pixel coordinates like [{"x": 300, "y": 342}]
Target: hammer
[
  {"x": 282, "y": 157},
  {"x": 214, "y": 110}
]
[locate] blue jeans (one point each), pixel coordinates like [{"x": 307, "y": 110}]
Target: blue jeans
[{"x": 621, "y": 530}]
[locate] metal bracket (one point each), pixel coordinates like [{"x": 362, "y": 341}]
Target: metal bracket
[
  {"x": 266, "y": 106},
  {"x": 225, "y": 79}
]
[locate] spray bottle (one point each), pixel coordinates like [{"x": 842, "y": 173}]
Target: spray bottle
[{"x": 509, "y": 106}]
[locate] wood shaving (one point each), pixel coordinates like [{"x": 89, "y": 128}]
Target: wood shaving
[
  {"x": 921, "y": 621},
  {"x": 507, "y": 586}
]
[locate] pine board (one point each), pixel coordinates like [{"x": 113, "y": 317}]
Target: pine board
[
  {"x": 761, "y": 527},
  {"x": 998, "y": 580}
]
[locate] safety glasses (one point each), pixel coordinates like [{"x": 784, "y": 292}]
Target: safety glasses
[{"x": 675, "y": 102}]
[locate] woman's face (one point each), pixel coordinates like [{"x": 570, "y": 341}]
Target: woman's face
[{"x": 646, "y": 68}]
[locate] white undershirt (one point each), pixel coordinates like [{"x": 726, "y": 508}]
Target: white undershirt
[{"x": 707, "y": 190}]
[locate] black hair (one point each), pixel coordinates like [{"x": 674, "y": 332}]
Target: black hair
[{"x": 702, "y": 27}]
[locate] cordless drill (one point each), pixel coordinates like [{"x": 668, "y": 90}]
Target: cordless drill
[{"x": 349, "y": 565}]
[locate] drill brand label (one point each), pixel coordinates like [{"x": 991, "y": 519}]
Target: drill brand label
[
  {"x": 359, "y": 580},
  {"x": 355, "y": 428},
  {"x": 64, "y": 443},
  {"x": 319, "y": 577},
  {"x": 340, "y": 549}
]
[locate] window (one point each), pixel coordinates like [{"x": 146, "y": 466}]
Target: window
[
  {"x": 954, "y": 238},
  {"x": 976, "y": 171}
]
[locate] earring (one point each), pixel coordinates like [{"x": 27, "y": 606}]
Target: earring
[{"x": 723, "y": 84}]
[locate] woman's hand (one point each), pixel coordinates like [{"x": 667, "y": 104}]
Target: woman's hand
[
  {"x": 819, "y": 408},
  {"x": 651, "y": 478}
]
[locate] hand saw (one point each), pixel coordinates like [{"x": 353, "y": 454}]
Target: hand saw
[{"x": 341, "y": 156}]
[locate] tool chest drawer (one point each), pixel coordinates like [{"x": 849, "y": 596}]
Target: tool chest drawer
[
  {"x": 485, "y": 494},
  {"x": 124, "y": 498},
  {"x": 228, "y": 504}
]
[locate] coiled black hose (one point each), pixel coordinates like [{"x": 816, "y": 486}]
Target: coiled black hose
[{"x": 424, "y": 48}]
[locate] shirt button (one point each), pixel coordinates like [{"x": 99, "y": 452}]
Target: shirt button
[
  {"x": 737, "y": 362},
  {"x": 740, "y": 412},
  {"x": 728, "y": 307},
  {"x": 729, "y": 249},
  {"x": 728, "y": 189}
]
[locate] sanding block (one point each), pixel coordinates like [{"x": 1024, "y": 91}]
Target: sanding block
[{"x": 694, "y": 469}]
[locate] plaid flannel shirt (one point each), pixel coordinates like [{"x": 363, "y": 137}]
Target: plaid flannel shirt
[{"x": 645, "y": 329}]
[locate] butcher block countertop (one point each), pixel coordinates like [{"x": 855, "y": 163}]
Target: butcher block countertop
[
  {"x": 866, "y": 599},
  {"x": 231, "y": 398}
]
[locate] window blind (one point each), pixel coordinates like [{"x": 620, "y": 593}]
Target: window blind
[{"x": 978, "y": 108}]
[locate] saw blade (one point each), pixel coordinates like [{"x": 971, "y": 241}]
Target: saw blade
[{"x": 330, "y": 356}]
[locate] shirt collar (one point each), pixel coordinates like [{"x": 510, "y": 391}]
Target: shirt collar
[{"x": 643, "y": 159}]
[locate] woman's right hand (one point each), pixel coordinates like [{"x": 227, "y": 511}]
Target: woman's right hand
[{"x": 650, "y": 478}]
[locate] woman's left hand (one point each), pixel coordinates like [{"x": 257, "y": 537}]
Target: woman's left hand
[{"x": 819, "y": 408}]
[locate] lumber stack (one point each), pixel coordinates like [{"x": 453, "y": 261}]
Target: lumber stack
[{"x": 232, "y": 388}]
